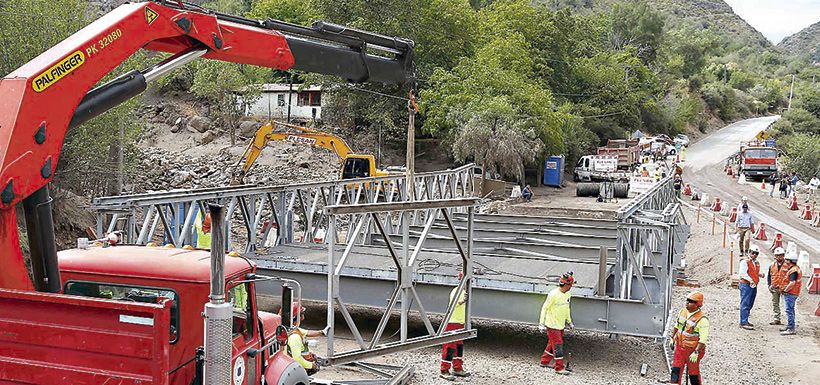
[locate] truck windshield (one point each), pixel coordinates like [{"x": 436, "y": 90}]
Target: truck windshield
[
  {"x": 761, "y": 153},
  {"x": 130, "y": 294}
]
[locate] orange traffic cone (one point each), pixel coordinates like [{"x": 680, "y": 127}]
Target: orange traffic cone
[
  {"x": 733, "y": 216},
  {"x": 687, "y": 190},
  {"x": 763, "y": 185},
  {"x": 793, "y": 202},
  {"x": 760, "y": 235},
  {"x": 806, "y": 213},
  {"x": 716, "y": 205},
  {"x": 777, "y": 242}
]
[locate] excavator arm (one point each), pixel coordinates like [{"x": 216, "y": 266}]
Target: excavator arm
[
  {"x": 42, "y": 99},
  {"x": 303, "y": 135}
]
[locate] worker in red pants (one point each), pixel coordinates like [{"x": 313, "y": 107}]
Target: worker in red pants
[
  {"x": 555, "y": 316},
  {"x": 689, "y": 340},
  {"x": 452, "y": 354}
]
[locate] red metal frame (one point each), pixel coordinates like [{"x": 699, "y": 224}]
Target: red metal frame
[{"x": 41, "y": 96}]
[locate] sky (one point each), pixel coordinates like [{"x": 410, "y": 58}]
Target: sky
[{"x": 777, "y": 19}]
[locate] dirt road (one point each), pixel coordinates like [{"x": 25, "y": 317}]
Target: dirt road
[{"x": 704, "y": 170}]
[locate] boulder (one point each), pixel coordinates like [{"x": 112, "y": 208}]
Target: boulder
[
  {"x": 208, "y": 137},
  {"x": 248, "y": 128},
  {"x": 200, "y": 124}
]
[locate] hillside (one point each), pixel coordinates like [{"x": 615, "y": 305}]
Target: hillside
[
  {"x": 714, "y": 15},
  {"x": 805, "y": 41}
]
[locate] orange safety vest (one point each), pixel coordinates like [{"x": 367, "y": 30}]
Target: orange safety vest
[
  {"x": 778, "y": 275},
  {"x": 687, "y": 337},
  {"x": 754, "y": 271},
  {"x": 795, "y": 290}
]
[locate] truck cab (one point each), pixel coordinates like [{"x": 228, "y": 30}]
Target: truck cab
[
  {"x": 598, "y": 168},
  {"x": 757, "y": 161},
  {"x": 177, "y": 279}
]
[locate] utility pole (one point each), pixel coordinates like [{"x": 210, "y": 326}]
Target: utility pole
[
  {"x": 791, "y": 94},
  {"x": 412, "y": 109},
  {"x": 120, "y": 161},
  {"x": 290, "y": 93}
]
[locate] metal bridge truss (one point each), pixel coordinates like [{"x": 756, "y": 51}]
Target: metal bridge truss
[
  {"x": 404, "y": 294},
  {"x": 652, "y": 234},
  {"x": 624, "y": 267},
  {"x": 268, "y": 215}
]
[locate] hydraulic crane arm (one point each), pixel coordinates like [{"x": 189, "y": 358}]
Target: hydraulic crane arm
[{"x": 42, "y": 99}]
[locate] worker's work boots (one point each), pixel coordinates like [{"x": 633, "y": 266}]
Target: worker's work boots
[
  {"x": 461, "y": 373},
  {"x": 445, "y": 374}
]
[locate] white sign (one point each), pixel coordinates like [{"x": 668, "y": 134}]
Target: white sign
[
  {"x": 640, "y": 184},
  {"x": 239, "y": 371},
  {"x": 131, "y": 319}
]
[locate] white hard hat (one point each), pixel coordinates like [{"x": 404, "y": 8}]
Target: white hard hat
[
  {"x": 754, "y": 249},
  {"x": 779, "y": 251},
  {"x": 744, "y": 199}
]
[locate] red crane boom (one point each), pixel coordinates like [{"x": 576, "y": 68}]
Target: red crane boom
[{"x": 42, "y": 99}]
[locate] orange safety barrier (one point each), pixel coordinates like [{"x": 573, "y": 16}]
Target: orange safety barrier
[
  {"x": 760, "y": 234},
  {"x": 817, "y": 311},
  {"x": 815, "y": 220},
  {"x": 777, "y": 242},
  {"x": 793, "y": 203},
  {"x": 733, "y": 215},
  {"x": 716, "y": 205},
  {"x": 687, "y": 190}
]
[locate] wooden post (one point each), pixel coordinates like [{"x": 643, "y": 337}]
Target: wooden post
[
  {"x": 412, "y": 108},
  {"x": 698, "y": 221},
  {"x": 724, "y": 235},
  {"x": 713, "y": 223},
  {"x": 731, "y": 257}
]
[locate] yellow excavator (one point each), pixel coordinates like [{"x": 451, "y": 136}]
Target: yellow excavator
[{"x": 351, "y": 165}]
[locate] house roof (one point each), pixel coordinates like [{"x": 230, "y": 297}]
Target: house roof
[{"x": 278, "y": 87}]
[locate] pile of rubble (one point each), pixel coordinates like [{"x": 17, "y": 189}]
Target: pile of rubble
[{"x": 159, "y": 169}]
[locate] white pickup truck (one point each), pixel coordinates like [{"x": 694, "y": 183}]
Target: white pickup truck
[{"x": 598, "y": 168}]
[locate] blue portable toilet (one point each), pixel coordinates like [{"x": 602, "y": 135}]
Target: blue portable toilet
[{"x": 554, "y": 171}]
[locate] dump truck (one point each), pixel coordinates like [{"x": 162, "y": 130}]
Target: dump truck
[
  {"x": 757, "y": 160},
  {"x": 599, "y": 168},
  {"x": 628, "y": 152}
]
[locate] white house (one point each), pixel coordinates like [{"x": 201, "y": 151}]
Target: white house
[{"x": 305, "y": 103}]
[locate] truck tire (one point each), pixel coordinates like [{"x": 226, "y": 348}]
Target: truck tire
[{"x": 586, "y": 189}]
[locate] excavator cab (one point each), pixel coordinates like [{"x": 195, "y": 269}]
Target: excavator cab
[{"x": 356, "y": 167}]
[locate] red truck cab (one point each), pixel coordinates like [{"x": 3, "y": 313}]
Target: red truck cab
[
  {"x": 757, "y": 160},
  {"x": 173, "y": 281}
]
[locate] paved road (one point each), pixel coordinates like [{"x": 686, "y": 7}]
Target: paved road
[{"x": 704, "y": 170}]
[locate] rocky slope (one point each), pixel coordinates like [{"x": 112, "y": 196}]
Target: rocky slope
[{"x": 804, "y": 42}]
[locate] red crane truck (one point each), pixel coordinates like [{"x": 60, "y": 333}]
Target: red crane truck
[{"x": 128, "y": 314}]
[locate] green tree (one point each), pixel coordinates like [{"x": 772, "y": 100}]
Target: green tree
[
  {"x": 804, "y": 155},
  {"x": 228, "y": 89},
  {"x": 302, "y": 12},
  {"x": 802, "y": 121},
  {"x": 636, "y": 24}
]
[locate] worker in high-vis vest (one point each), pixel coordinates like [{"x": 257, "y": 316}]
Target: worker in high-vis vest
[
  {"x": 298, "y": 347},
  {"x": 777, "y": 281},
  {"x": 555, "y": 316},
  {"x": 749, "y": 273},
  {"x": 689, "y": 339},
  {"x": 791, "y": 291},
  {"x": 203, "y": 231},
  {"x": 452, "y": 353}
]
